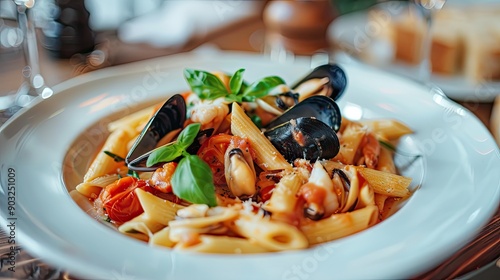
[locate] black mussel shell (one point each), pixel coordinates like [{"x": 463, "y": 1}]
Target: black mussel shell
[
  {"x": 139, "y": 164},
  {"x": 169, "y": 117},
  {"x": 306, "y": 138},
  {"x": 337, "y": 78},
  {"x": 319, "y": 107}
]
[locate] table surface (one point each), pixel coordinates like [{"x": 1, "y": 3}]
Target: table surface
[{"x": 246, "y": 35}]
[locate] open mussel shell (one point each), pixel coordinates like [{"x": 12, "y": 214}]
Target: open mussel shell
[
  {"x": 139, "y": 163},
  {"x": 306, "y": 138},
  {"x": 336, "y": 83},
  {"x": 319, "y": 107},
  {"x": 169, "y": 117}
]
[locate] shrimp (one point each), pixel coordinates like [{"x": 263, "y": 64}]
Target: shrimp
[
  {"x": 161, "y": 178},
  {"x": 210, "y": 113}
]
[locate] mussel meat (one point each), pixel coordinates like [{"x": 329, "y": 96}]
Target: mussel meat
[{"x": 239, "y": 172}]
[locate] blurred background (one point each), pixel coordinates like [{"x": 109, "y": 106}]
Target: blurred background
[{"x": 454, "y": 44}]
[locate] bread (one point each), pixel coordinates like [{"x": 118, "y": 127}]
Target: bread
[{"x": 464, "y": 41}]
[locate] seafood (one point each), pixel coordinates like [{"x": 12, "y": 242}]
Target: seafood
[
  {"x": 328, "y": 80},
  {"x": 238, "y": 165},
  {"x": 321, "y": 108},
  {"x": 318, "y": 193},
  {"x": 169, "y": 117},
  {"x": 210, "y": 113},
  {"x": 307, "y": 130},
  {"x": 325, "y": 80}
]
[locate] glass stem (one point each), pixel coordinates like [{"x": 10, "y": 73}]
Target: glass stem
[
  {"x": 425, "y": 67},
  {"x": 31, "y": 70}
]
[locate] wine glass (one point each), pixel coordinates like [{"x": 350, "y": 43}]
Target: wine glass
[
  {"x": 33, "y": 84},
  {"x": 427, "y": 8}
]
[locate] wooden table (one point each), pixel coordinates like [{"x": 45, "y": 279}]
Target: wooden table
[{"x": 247, "y": 35}]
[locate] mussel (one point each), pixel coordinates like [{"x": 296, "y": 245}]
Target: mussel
[
  {"x": 170, "y": 117},
  {"x": 239, "y": 172},
  {"x": 318, "y": 107},
  {"x": 328, "y": 79},
  {"x": 139, "y": 163},
  {"x": 307, "y": 130}
]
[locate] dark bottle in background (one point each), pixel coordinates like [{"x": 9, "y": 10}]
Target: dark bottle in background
[{"x": 68, "y": 31}]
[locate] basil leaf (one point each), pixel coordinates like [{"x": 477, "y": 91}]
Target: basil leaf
[
  {"x": 193, "y": 181},
  {"x": 164, "y": 154},
  {"x": 234, "y": 98},
  {"x": 262, "y": 87},
  {"x": 206, "y": 85},
  {"x": 115, "y": 157},
  {"x": 236, "y": 81},
  {"x": 188, "y": 135}
]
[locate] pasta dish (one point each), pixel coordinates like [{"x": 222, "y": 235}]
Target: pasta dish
[{"x": 236, "y": 167}]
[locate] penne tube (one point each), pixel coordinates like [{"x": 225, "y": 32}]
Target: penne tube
[
  {"x": 222, "y": 245},
  {"x": 218, "y": 215},
  {"x": 140, "y": 225},
  {"x": 340, "y": 225},
  {"x": 380, "y": 201},
  {"x": 388, "y": 128},
  {"x": 386, "y": 183},
  {"x": 272, "y": 235},
  {"x": 133, "y": 121},
  {"x": 162, "y": 238},
  {"x": 92, "y": 188},
  {"x": 104, "y": 164},
  {"x": 385, "y": 161},
  {"x": 157, "y": 209},
  {"x": 366, "y": 196},
  {"x": 349, "y": 142},
  {"x": 267, "y": 156},
  {"x": 284, "y": 195}
]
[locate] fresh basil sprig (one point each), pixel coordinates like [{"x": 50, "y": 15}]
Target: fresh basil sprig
[
  {"x": 176, "y": 149},
  {"x": 192, "y": 179},
  {"x": 208, "y": 86}
]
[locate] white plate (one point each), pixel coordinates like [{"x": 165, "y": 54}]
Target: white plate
[
  {"x": 359, "y": 36},
  {"x": 459, "y": 192}
]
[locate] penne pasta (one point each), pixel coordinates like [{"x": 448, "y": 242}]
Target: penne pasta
[
  {"x": 366, "y": 196},
  {"x": 222, "y": 245},
  {"x": 349, "y": 143},
  {"x": 284, "y": 197},
  {"x": 104, "y": 164},
  {"x": 162, "y": 238},
  {"x": 385, "y": 161},
  {"x": 380, "y": 201},
  {"x": 157, "y": 209},
  {"x": 267, "y": 157},
  {"x": 386, "y": 183},
  {"x": 272, "y": 235},
  {"x": 389, "y": 129},
  {"x": 340, "y": 225},
  {"x": 141, "y": 227},
  {"x": 133, "y": 121},
  {"x": 94, "y": 186}
]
